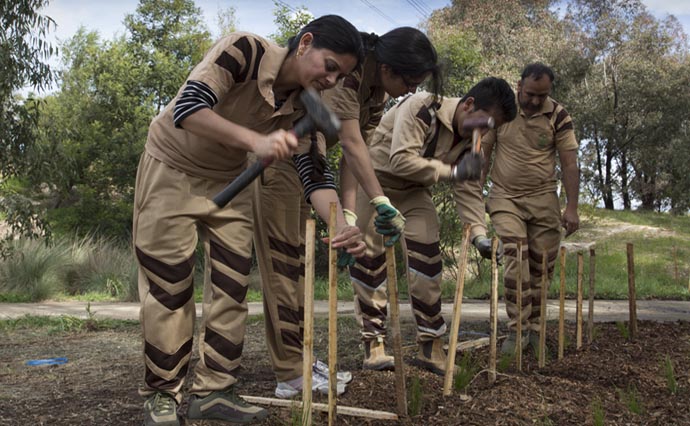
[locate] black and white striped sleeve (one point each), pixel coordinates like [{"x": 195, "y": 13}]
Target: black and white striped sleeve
[
  {"x": 195, "y": 96},
  {"x": 305, "y": 168}
]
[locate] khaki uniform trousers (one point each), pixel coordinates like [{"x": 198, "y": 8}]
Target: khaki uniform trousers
[
  {"x": 171, "y": 211},
  {"x": 536, "y": 222},
  {"x": 280, "y": 214},
  {"x": 422, "y": 254}
]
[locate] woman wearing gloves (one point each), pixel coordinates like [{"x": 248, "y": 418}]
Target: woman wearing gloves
[{"x": 395, "y": 64}]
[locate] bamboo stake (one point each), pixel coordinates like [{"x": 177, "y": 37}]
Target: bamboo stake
[
  {"x": 518, "y": 326},
  {"x": 392, "y": 281},
  {"x": 590, "y": 312},
  {"x": 332, "y": 318},
  {"x": 542, "y": 310},
  {"x": 561, "y": 315},
  {"x": 632, "y": 302},
  {"x": 578, "y": 305},
  {"x": 457, "y": 309},
  {"x": 341, "y": 409},
  {"x": 493, "y": 313},
  {"x": 308, "y": 350}
]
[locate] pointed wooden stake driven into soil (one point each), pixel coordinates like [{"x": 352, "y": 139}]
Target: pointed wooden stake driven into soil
[
  {"x": 561, "y": 310},
  {"x": 493, "y": 312},
  {"x": 308, "y": 350},
  {"x": 332, "y": 318},
  {"x": 542, "y": 310},
  {"x": 457, "y": 310},
  {"x": 392, "y": 281},
  {"x": 590, "y": 311},
  {"x": 578, "y": 305},
  {"x": 632, "y": 301},
  {"x": 518, "y": 297}
]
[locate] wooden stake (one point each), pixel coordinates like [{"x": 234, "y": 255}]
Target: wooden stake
[
  {"x": 341, "y": 409},
  {"x": 401, "y": 392},
  {"x": 518, "y": 326},
  {"x": 632, "y": 302},
  {"x": 332, "y": 317},
  {"x": 457, "y": 310},
  {"x": 561, "y": 315},
  {"x": 578, "y": 304},
  {"x": 590, "y": 311},
  {"x": 542, "y": 310},
  {"x": 308, "y": 348},
  {"x": 493, "y": 312}
]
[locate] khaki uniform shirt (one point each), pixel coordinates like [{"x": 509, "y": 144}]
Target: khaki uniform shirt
[
  {"x": 240, "y": 69},
  {"x": 525, "y": 151},
  {"x": 398, "y": 146},
  {"x": 357, "y": 97}
]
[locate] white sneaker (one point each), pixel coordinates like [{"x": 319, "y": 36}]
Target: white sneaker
[
  {"x": 319, "y": 383},
  {"x": 322, "y": 369}
]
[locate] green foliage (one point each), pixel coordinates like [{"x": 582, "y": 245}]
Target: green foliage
[
  {"x": 24, "y": 52},
  {"x": 631, "y": 398},
  {"x": 459, "y": 55},
  {"x": 289, "y": 21},
  {"x": 504, "y": 362},
  {"x": 415, "y": 396},
  {"x": 36, "y": 271},
  {"x": 598, "y": 415},
  {"x": 669, "y": 374},
  {"x": 169, "y": 38},
  {"x": 467, "y": 369},
  {"x": 103, "y": 265},
  {"x": 33, "y": 271}
]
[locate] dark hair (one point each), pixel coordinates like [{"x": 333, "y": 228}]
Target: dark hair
[
  {"x": 537, "y": 70},
  {"x": 493, "y": 92},
  {"x": 408, "y": 52},
  {"x": 334, "y": 33}
]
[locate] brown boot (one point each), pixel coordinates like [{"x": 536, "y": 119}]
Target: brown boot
[
  {"x": 432, "y": 357},
  {"x": 375, "y": 357}
]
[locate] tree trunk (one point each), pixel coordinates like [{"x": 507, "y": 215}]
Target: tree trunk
[
  {"x": 607, "y": 190},
  {"x": 625, "y": 189}
]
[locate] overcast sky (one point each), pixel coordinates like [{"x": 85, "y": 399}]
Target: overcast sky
[{"x": 256, "y": 16}]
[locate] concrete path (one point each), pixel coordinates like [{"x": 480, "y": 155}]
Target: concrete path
[{"x": 472, "y": 310}]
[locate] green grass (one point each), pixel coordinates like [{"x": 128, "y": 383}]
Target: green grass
[
  {"x": 102, "y": 270},
  {"x": 64, "y": 324},
  {"x": 669, "y": 375},
  {"x": 631, "y": 398},
  {"x": 661, "y": 245},
  {"x": 415, "y": 398},
  {"x": 598, "y": 415}
]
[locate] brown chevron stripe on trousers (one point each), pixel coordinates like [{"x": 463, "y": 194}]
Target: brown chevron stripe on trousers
[
  {"x": 536, "y": 222},
  {"x": 172, "y": 211},
  {"x": 423, "y": 261},
  {"x": 280, "y": 214}
]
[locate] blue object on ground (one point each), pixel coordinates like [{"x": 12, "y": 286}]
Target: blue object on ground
[{"x": 48, "y": 361}]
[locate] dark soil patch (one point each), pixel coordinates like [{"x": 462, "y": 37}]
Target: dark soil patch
[{"x": 98, "y": 386}]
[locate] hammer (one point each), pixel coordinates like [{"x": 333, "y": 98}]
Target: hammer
[
  {"x": 317, "y": 117},
  {"x": 470, "y": 167}
]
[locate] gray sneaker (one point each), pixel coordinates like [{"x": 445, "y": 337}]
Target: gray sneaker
[
  {"x": 226, "y": 406},
  {"x": 160, "y": 410},
  {"x": 321, "y": 368}
]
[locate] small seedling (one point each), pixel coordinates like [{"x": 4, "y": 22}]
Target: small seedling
[
  {"x": 415, "y": 397},
  {"x": 631, "y": 399},
  {"x": 545, "y": 421},
  {"x": 623, "y": 329},
  {"x": 671, "y": 382},
  {"x": 598, "y": 416},
  {"x": 466, "y": 371},
  {"x": 504, "y": 362}
]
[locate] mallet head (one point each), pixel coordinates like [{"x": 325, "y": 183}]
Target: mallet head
[
  {"x": 479, "y": 123},
  {"x": 318, "y": 114}
]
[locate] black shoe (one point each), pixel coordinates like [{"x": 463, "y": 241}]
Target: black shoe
[{"x": 224, "y": 405}]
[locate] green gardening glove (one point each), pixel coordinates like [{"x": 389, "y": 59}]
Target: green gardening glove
[
  {"x": 345, "y": 259},
  {"x": 389, "y": 221}
]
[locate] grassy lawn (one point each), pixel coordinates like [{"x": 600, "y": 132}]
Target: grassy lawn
[{"x": 100, "y": 270}]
